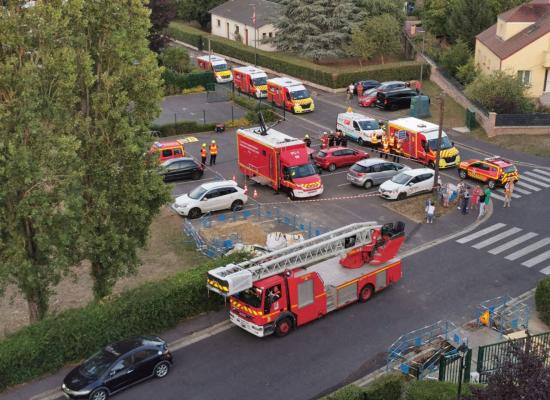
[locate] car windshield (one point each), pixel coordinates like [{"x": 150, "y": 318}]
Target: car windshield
[
  {"x": 220, "y": 67},
  {"x": 98, "y": 364},
  {"x": 368, "y": 125},
  {"x": 299, "y": 94},
  {"x": 321, "y": 154},
  {"x": 197, "y": 193},
  {"x": 252, "y": 297},
  {"x": 358, "y": 168},
  {"x": 259, "y": 81},
  {"x": 302, "y": 171},
  {"x": 401, "y": 178},
  {"x": 370, "y": 92},
  {"x": 445, "y": 143},
  {"x": 510, "y": 169}
]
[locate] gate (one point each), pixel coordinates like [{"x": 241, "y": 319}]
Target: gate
[
  {"x": 216, "y": 92},
  {"x": 449, "y": 367}
]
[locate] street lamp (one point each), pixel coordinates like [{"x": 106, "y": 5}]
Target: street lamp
[
  {"x": 439, "y": 136},
  {"x": 462, "y": 350},
  {"x": 422, "y": 61}
]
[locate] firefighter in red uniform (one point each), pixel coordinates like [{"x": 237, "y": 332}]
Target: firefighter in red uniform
[{"x": 324, "y": 140}]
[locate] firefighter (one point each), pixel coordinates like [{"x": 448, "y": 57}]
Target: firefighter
[
  {"x": 324, "y": 140},
  {"x": 331, "y": 139},
  {"x": 374, "y": 141},
  {"x": 398, "y": 150},
  {"x": 385, "y": 146},
  {"x": 343, "y": 139},
  {"x": 392, "y": 140},
  {"x": 213, "y": 152},
  {"x": 338, "y": 138},
  {"x": 307, "y": 140},
  {"x": 204, "y": 153}
]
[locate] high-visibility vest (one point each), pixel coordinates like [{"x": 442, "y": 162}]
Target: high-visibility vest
[
  {"x": 203, "y": 152},
  {"x": 374, "y": 139},
  {"x": 213, "y": 149},
  {"x": 392, "y": 141},
  {"x": 386, "y": 145},
  {"x": 399, "y": 146}
]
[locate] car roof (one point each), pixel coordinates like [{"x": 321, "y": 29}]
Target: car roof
[
  {"x": 392, "y": 82},
  {"x": 334, "y": 148},
  {"x": 418, "y": 171},
  {"x": 218, "y": 184},
  {"x": 367, "y": 162},
  {"x": 173, "y": 160},
  {"x": 399, "y": 90},
  {"x": 124, "y": 346}
]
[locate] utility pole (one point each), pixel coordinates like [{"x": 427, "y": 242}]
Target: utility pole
[
  {"x": 439, "y": 135},
  {"x": 422, "y": 61},
  {"x": 255, "y": 33}
]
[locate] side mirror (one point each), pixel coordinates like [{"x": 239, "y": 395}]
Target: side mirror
[
  {"x": 410, "y": 183},
  {"x": 204, "y": 199},
  {"x": 112, "y": 373}
]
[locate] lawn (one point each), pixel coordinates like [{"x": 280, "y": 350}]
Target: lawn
[
  {"x": 537, "y": 145},
  {"x": 453, "y": 114}
]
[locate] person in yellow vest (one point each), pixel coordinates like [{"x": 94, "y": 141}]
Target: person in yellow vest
[
  {"x": 398, "y": 150},
  {"x": 374, "y": 141},
  {"x": 204, "y": 154},
  {"x": 385, "y": 146},
  {"x": 392, "y": 140},
  {"x": 213, "y": 152}
]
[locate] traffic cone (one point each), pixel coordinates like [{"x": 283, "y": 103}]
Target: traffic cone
[
  {"x": 255, "y": 195},
  {"x": 245, "y": 189}
]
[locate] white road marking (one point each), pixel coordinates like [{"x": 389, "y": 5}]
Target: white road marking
[
  {"x": 344, "y": 184},
  {"x": 496, "y": 238},
  {"x": 496, "y": 196},
  {"x": 538, "y": 176},
  {"x": 515, "y": 196},
  {"x": 523, "y": 191},
  {"x": 541, "y": 171},
  {"x": 512, "y": 243},
  {"x": 535, "y": 181},
  {"x": 480, "y": 233},
  {"x": 536, "y": 260},
  {"x": 528, "y": 249},
  {"x": 546, "y": 271},
  {"x": 521, "y": 183}
]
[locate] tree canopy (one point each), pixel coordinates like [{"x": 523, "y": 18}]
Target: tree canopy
[
  {"x": 196, "y": 10},
  {"x": 377, "y": 37}
]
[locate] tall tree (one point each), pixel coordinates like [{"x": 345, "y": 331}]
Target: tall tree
[
  {"x": 379, "y": 36},
  {"x": 39, "y": 166},
  {"x": 435, "y": 15},
  {"x": 469, "y": 18},
  {"x": 120, "y": 89},
  {"x": 197, "y": 10},
  {"x": 374, "y": 8},
  {"x": 162, "y": 12}
]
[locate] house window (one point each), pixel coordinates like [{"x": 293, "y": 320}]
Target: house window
[
  {"x": 236, "y": 28},
  {"x": 264, "y": 35},
  {"x": 525, "y": 77},
  {"x": 219, "y": 23},
  {"x": 270, "y": 34}
]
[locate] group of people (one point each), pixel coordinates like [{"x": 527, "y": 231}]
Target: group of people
[
  {"x": 330, "y": 139},
  {"x": 390, "y": 144},
  {"x": 466, "y": 197},
  {"x": 213, "y": 150}
]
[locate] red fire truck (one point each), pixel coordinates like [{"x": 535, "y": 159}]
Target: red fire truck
[
  {"x": 289, "y": 94},
  {"x": 273, "y": 158},
  {"x": 250, "y": 80},
  {"x": 290, "y": 287}
]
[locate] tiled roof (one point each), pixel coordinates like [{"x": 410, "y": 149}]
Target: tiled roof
[{"x": 241, "y": 11}]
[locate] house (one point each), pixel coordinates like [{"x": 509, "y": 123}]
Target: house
[
  {"x": 247, "y": 21},
  {"x": 519, "y": 43}
]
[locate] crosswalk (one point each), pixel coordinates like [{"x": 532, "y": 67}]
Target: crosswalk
[
  {"x": 530, "y": 181},
  {"x": 512, "y": 243}
]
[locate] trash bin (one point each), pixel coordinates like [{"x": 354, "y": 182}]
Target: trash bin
[
  {"x": 470, "y": 119},
  {"x": 420, "y": 106}
]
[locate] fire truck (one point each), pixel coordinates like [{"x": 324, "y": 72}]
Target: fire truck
[
  {"x": 273, "y": 158},
  {"x": 419, "y": 142},
  {"x": 493, "y": 171},
  {"x": 289, "y": 94},
  {"x": 250, "y": 80},
  {"x": 287, "y": 288},
  {"x": 217, "y": 65}
]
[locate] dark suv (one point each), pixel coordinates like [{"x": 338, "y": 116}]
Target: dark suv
[
  {"x": 181, "y": 168},
  {"x": 395, "y": 99},
  {"x": 118, "y": 366}
]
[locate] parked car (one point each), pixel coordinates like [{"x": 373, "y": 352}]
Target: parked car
[
  {"x": 374, "y": 171},
  {"x": 368, "y": 98},
  {"x": 335, "y": 157},
  {"x": 493, "y": 171},
  {"x": 211, "y": 196},
  {"x": 408, "y": 183},
  {"x": 118, "y": 366},
  {"x": 367, "y": 84},
  {"x": 181, "y": 168},
  {"x": 396, "y": 99},
  {"x": 168, "y": 150},
  {"x": 391, "y": 85}
]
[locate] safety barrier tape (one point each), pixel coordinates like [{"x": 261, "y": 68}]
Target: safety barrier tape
[{"x": 299, "y": 201}]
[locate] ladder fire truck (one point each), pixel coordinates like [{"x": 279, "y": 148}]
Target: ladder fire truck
[{"x": 290, "y": 287}]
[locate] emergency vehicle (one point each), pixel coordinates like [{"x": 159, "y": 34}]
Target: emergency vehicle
[
  {"x": 419, "y": 142},
  {"x": 273, "y": 158},
  {"x": 300, "y": 283},
  {"x": 250, "y": 80},
  {"x": 358, "y": 127},
  {"x": 216, "y": 64},
  {"x": 168, "y": 150},
  {"x": 289, "y": 94},
  {"x": 493, "y": 171}
]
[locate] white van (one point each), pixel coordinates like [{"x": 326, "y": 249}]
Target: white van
[{"x": 358, "y": 127}]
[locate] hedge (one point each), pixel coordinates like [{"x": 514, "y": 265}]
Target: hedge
[
  {"x": 387, "y": 387},
  {"x": 187, "y": 81},
  {"x": 181, "y": 127},
  {"x": 254, "y": 106},
  {"x": 48, "y": 345},
  {"x": 542, "y": 299},
  {"x": 194, "y": 39}
]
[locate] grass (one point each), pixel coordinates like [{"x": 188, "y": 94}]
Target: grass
[
  {"x": 414, "y": 207},
  {"x": 537, "y": 145},
  {"x": 453, "y": 113}
]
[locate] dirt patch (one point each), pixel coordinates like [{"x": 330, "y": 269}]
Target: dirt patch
[
  {"x": 167, "y": 252},
  {"x": 244, "y": 231},
  {"x": 414, "y": 207}
]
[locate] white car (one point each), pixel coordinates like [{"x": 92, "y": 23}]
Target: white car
[
  {"x": 212, "y": 196},
  {"x": 408, "y": 183}
]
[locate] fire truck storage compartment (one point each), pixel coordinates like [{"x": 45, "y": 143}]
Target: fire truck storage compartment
[{"x": 347, "y": 294}]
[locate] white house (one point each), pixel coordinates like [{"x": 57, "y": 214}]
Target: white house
[{"x": 248, "y": 21}]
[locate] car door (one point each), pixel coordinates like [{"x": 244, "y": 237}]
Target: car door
[
  {"x": 144, "y": 362},
  {"x": 210, "y": 201},
  {"x": 121, "y": 374},
  {"x": 172, "y": 171},
  {"x": 376, "y": 175},
  {"x": 388, "y": 170},
  {"x": 426, "y": 182},
  {"x": 357, "y": 130},
  {"x": 350, "y": 157},
  {"x": 337, "y": 157},
  {"x": 225, "y": 198},
  {"x": 413, "y": 186}
]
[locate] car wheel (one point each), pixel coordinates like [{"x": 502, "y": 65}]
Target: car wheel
[
  {"x": 492, "y": 184},
  {"x": 366, "y": 293},
  {"x": 194, "y": 213},
  {"x": 431, "y": 165},
  {"x": 162, "y": 369},
  {"x": 283, "y": 327},
  {"x": 401, "y": 196},
  {"x": 196, "y": 175},
  {"x": 99, "y": 394},
  {"x": 360, "y": 142},
  {"x": 291, "y": 195},
  {"x": 367, "y": 184},
  {"x": 332, "y": 167},
  {"x": 237, "y": 205},
  {"x": 462, "y": 173}
]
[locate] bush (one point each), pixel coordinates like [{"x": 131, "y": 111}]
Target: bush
[
  {"x": 455, "y": 56},
  {"x": 542, "y": 299},
  {"x": 403, "y": 71},
  {"x": 387, "y": 387},
  {"x": 187, "y": 81},
  {"x": 468, "y": 72},
  {"x": 72, "y": 335},
  {"x": 350, "y": 392},
  {"x": 181, "y": 128},
  {"x": 176, "y": 58},
  {"x": 254, "y": 106},
  {"x": 186, "y": 36}
]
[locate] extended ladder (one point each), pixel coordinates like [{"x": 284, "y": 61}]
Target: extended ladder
[{"x": 234, "y": 278}]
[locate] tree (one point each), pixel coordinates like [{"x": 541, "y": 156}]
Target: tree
[
  {"x": 198, "y": 10},
  {"x": 468, "y": 18},
  {"x": 500, "y": 92},
  {"x": 455, "y": 56},
  {"x": 176, "y": 59},
  {"x": 315, "y": 28},
  {"x": 162, "y": 12},
  {"x": 39, "y": 167},
  {"x": 378, "y": 37},
  {"x": 468, "y": 72},
  {"x": 374, "y": 8},
  {"x": 435, "y": 15},
  {"x": 120, "y": 88}
]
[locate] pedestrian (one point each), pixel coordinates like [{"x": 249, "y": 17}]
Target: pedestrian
[
  {"x": 204, "y": 153},
  {"x": 331, "y": 139},
  {"x": 460, "y": 190},
  {"x": 373, "y": 141},
  {"x": 343, "y": 139},
  {"x": 213, "y": 152},
  {"x": 430, "y": 211},
  {"x": 446, "y": 195},
  {"x": 359, "y": 89},
  {"x": 351, "y": 89},
  {"x": 385, "y": 146},
  {"x": 508, "y": 191},
  {"x": 418, "y": 86},
  {"x": 465, "y": 200},
  {"x": 338, "y": 138},
  {"x": 484, "y": 201},
  {"x": 307, "y": 140},
  {"x": 474, "y": 198}
]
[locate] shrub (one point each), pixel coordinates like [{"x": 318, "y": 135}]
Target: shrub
[
  {"x": 434, "y": 390},
  {"x": 542, "y": 299},
  {"x": 455, "y": 56},
  {"x": 176, "y": 58},
  {"x": 181, "y": 127},
  {"x": 72, "y": 335},
  {"x": 187, "y": 81},
  {"x": 468, "y": 72},
  {"x": 387, "y": 387},
  {"x": 254, "y": 106},
  {"x": 195, "y": 39},
  {"x": 350, "y": 392}
]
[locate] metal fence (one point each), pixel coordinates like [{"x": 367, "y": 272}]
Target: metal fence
[
  {"x": 538, "y": 119},
  {"x": 503, "y": 314},
  {"x": 449, "y": 367},
  {"x": 218, "y": 92}
]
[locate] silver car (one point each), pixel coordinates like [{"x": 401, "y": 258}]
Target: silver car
[{"x": 373, "y": 171}]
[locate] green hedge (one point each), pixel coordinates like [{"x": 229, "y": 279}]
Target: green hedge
[
  {"x": 187, "y": 81},
  {"x": 387, "y": 387},
  {"x": 403, "y": 71},
  {"x": 270, "y": 115},
  {"x": 350, "y": 392},
  {"x": 194, "y": 39},
  {"x": 542, "y": 299},
  {"x": 72, "y": 335},
  {"x": 181, "y": 128}
]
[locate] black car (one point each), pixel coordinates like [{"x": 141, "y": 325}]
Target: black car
[
  {"x": 118, "y": 366},
  {"x": 367, "y": 84},
  {"x": 395, "y": 99},
  {"x": 181, "y": 168}
]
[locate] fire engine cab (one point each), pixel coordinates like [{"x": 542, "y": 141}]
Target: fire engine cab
[
  {"x": 216, "y": 64},
  {"x": 289, "y": 94},
  {"x": 250, "y": 80},
  {"x": 419, "y": 142},
  {"x": 287, "y": 288},
  {"x": 493, "y": 171}
]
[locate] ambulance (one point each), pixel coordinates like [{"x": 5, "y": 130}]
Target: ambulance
[
  {"x": 250, "y": 80},
  {"x": 419, "y": 142},
  {"x": 358, "y": 127},
  {"x": 216, "y": 64},
  {"x": 289, "y": 94}
]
